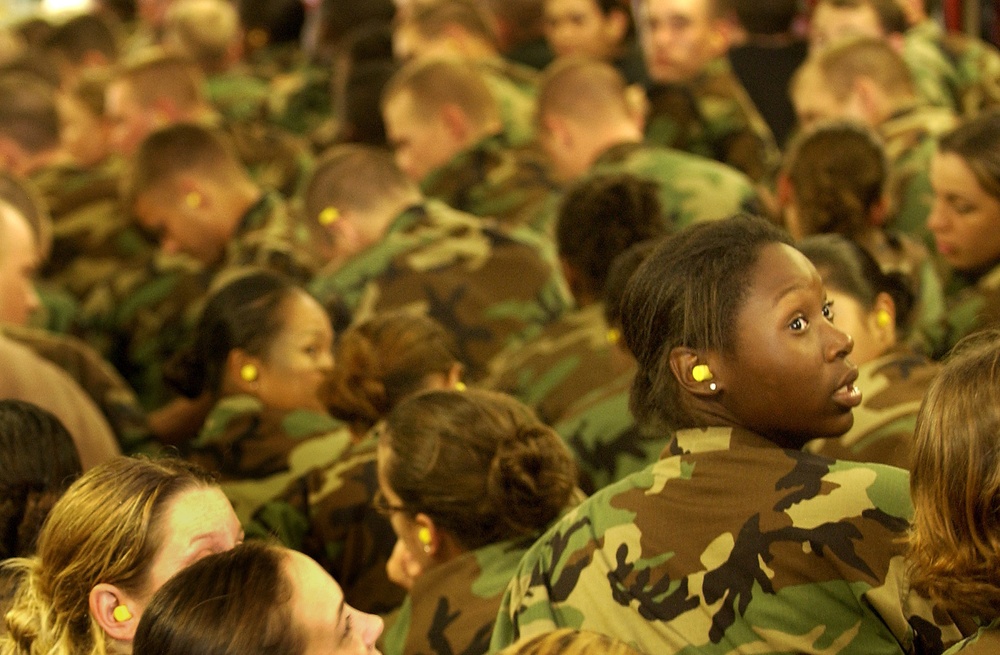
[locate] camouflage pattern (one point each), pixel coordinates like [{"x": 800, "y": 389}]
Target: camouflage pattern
[
  {"x": 276, "y": 160},
  {"x": 515, "y": 88},
  {"x": 730, "y": 544},
  {"x": 568, "y": 359},
  {"x": 109, "y": 391},
  {"x": 327, "y": 514},
  {"x": 985, "y": 642},
  {"x": 966, "y": 68},
  {"x": 452, "y": 607},
  {"x": 484, "y": 284},
  {"x": 257, "y": 451},
  {"x": 910, "y": 139},
  {"x": 298, "y": 101},
  {"x": 970, "y": 305},
  {"x": 602, "y": 434},
  {"x": 238, "y": 95},
  {"x": 893, "y": 387},
  {"x": 713, "y": 116},
  {"x": 490, "y": 179},
  {"x": 692, "y": 188}
]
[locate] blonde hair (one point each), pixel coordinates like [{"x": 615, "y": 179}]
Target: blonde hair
[
  {"x": 566, "y": 641},
  {"x": 105, "y": 529},
  {"x": 955, "y": 482}
]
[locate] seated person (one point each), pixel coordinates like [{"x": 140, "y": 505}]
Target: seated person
[
  {"x": 255, "y": 599},
  {"x": 116, "y": 535},
  {"x": 599, "y": 29},
  {"x": 735, "y": 540},
  {"x": 468, "y": 480},
  {"x": 955, "y": 490}
]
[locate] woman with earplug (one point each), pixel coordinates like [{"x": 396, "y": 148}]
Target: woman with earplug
[
  {"x": 874, "y": 308},
  {"x": 468, "y": 480}
]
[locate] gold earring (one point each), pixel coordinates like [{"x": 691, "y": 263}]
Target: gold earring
[
  {"x": 883, "y": 319},
  {"x": 121, "y": 614},
  {"x": 248, "y": 372},
  {"x": 701, "y": 373}
]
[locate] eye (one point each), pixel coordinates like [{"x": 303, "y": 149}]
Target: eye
[
  {"x": 798, "y": 324},
  {"x": 828, "y": 310},
  {"x": 348, "y": 628}
]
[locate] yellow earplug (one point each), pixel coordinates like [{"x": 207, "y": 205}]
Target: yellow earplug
[
  {"x": 701, "y": 373},
  {"x": 883, "y": 319},
  {"x": 121, "y": 614},
  {"x": 424, "y": 536},
  {"x": 613, "y": 335},
  {"x": 193, "y": 200},
  {"x": 329, "y": 216},
  {"x": 248, "y": 372},
  {"x": 459, "y": 386}
]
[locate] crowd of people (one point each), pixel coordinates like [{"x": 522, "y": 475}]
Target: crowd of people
[{"x": 499, "y": 326}]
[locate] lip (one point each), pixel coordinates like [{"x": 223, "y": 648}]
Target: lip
[
  {"x": 848, "y": 395},
  {"x": 944, "y": 248}
]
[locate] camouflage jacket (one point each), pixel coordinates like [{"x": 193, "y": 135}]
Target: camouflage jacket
[
  {"x": 730, "y": 544},
  {"x": 893, "y": 387},
  {"x": 692, "y": 188},
  {"x": 910, "y": 138},
  {"x": 486, "y": 285},
  {"x": 453, "y": 606},
  {"x": 515, "y": 88},
  {"x": 238, "y": 95},
  {"x": 985, "y": 642},
  {"x": 327, "y": 514},
  {"x": 257, "y": 451},
  {"x": 966, "y": 69},
  {"x": 970, "y": 305},
  {"x": 713, "y": 116},
  {"x": 490, "y": 179},
  {"x": 276, "y": 159},
  {"x": 604, "y": 438}
]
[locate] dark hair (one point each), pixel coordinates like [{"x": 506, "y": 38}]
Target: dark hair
[
  {"x": 847, "y": 267},
  {"x": 38, "y": 461},
  {"x": 977, "y": 142},
  {"x": 599, "y": 218},
  {"x": 480, "y": 464},
  {"x": 28, "y": 113},
  {"x": 245, "y": 314},
  {"x": 838, "y": 172},
  {"x": 619, "y": 273},
  {"x": 83, "y": 34},
  {"x": 231, "y": 603},
  {"x": 688, "y": 293},
  {"x": 382, "y": 361}
]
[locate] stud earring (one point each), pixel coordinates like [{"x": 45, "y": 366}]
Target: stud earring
[
  {"x": 883, "y": 319},
  {"x": 713, "y": 386},
  {"x": 121, "y": 614},
  {"x": 701, "y": 373},
  {"x": 249, "y": 373}
]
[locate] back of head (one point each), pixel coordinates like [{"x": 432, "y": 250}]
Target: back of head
[
  {"x": 28, "y": 113},
  {"x": 105, "y": 528},
  {"x": 435, "y": 83},
  {"x": 619, "y": 273},
  {"x": 688, "y": 293},
  {"x": 340, "y": 17},
  {"x": 599, "y": 218},
  {"x": 155, "y": 75},
  {"x": 357, "y": 178},
  {"x": 231, "y": 603},
  {"x": 432, "y": 18},
  {"x": 244, "y": 314},
  {"x": 766, "y": 17},
  {"x": 586, "y": 90},
  {"x": 955, "y": 482},
  {"x": 479, "y": 464},
  {"x": 204, "y": 30},
  {"x": 838, "y": 172},
  {"x": 384, "y": 360},
  {"x": 27, "y": 201},
  {"x": 81, "y": 37},
  {"x": 977, "y": 142},
  {"x": 38, "y": 461},
  {"x": 865, "y": 57}
]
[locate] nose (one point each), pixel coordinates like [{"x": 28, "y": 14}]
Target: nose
[
  {"x": 371, "y": 629},
  {"x": 839, "y": 343},
  {"x": 936, "y": 220}
]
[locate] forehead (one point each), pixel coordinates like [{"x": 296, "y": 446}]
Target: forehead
[
  {"x": 692, "y": 9},
  {"x": 779, "y": 268},
  {"x": 301, "y": 312},
  {"x": 553, "y": 7},
  {"x": 16, "y": 236},
  {"x": 861, "y": 18},
  {"x": 195, "y": 511}
]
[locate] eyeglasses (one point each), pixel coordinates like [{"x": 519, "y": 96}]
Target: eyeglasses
[{"x": 382, "y": 505}]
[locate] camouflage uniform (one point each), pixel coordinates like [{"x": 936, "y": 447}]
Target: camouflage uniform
[
  {"x": 893, "y": 386},
  {"x": 327, "y": 514},
  {"x": 515, "y": 88},
  {"x": 486, "y": 285},
  {"x": 275, "y": 159},
  {"x": 490, "y": 179},
  {"x": 257, "y": 451},
  {"x": 970, "y": 305},
  {"x": 692, "y": 188},
  {"x": 731, "y": 544},
  {"x": 966, "y": 68},
  {"x": 452, "y": 607},
  {"x": 910, "y": 139},
  {"x": 604, "y": 438},
  {"x": 713, "y": 116},
  {"x": 238, "y": 95},
  {"x": 299, "y": 101},
  {"x": 985, "y": 642}
]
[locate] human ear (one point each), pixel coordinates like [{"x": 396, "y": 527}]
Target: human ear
[
  {"x": 243, "y": 371},
  {"x": 456, "y": 122},
  {"x": 883, "y": 321},
  {"x": 693, "y": 371},
  {"x": 616, "y": 25},
  {"x": 426, "y": 535},
  {"x": 119, "y": 624}
]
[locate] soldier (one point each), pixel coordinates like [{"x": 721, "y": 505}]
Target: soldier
[
  {"x": 865, "y": 80},
  {"x": 740, "y": 362},
  {"x": 444, "y": 126},
  {"x": 463, "y": 29},
  {"x": 467, "y": 479},
  {"x": 874, "y": 308},
  {"x": 696, "y": 103},
  {"x": 82, "y": 44},
  {"x": 392, "y": 249},
  {"x": 600, "y": 29},
  {"x": 589, "y": 122}
]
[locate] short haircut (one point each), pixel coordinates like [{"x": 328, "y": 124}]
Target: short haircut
[
  {"x": 355, "y": 177},
  {"x": 977, "y": 142},
  {"x": 432, "y": 17},
  {"x": 205, "y": 30},
  {"x": 28, "y": 112},
  {"x": 176, "y": 149},
  {"x": 583, "y": 89},
  {"x": 81, "y": 35},
  {"x": 155, "y": 75},
  {"x": 890, "y": 15},
  {"x": 435, "y": 83},
  {"x": 842, "y": 63}
]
